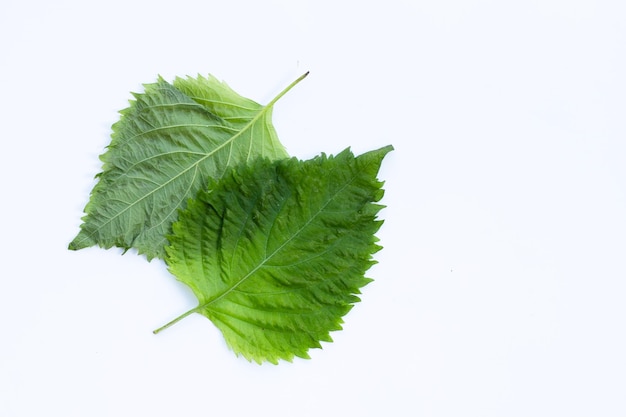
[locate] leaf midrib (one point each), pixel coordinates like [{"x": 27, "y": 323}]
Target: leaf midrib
[
  {"x": 267, "y": 258},
  {"x": 260, "y": 114}
]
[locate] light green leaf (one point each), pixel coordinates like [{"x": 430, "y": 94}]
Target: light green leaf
[
  {"x": 165, "y": 147},
  {"x": 276, "y": 252},
  {"x": 218, "y": 98}
]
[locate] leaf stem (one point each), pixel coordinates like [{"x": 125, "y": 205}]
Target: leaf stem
[
  {"x": 286, "y": 90},
  {"x": 176, "y": 320}
]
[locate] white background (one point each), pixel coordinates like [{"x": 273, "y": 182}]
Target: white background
[{"x": 500, "y": 290}]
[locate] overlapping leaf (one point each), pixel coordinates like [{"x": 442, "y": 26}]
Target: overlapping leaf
[
  {"x": 276, "y": 253},
  {"x": 166, "y": 146},
  {"x": 275, "y": 249}
]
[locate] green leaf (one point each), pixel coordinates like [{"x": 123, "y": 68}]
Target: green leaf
[
  {"x": 276, "y": 252},
  {"x": 165, "y": 147}
]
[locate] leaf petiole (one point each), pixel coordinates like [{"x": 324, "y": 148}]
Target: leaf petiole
[
  {"x": 286, "y": 90},
  {"x": 176, "y": 320}
]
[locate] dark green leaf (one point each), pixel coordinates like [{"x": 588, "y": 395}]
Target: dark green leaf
[{"x": 276, "y": 252}]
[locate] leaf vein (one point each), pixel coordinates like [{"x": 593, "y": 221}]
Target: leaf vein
[
  {"x": 277, "y": 250},
  {"x": 219, "y": 147}
]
